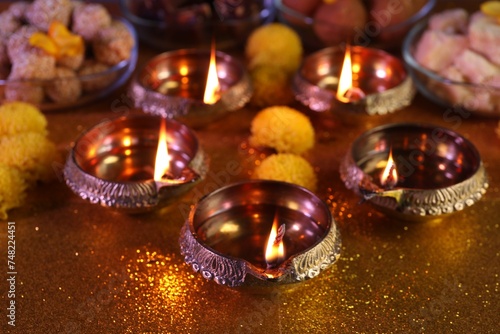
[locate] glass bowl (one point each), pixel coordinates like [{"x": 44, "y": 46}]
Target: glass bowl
[
  {"x": 194, "y": 26},
  {"x": 457, "y": 96},
  {"x": 375, "y": 32},
  {"x": 93, "y": 86}
]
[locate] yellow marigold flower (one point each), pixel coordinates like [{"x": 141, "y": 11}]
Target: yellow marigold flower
[
  {"x": 282, "y": 128},
  {"x": 289, "y": 168},
  {"x": 271, "y": 86},
  {"x": 18, "y": 117},
  {"x": 274, "y": 44},
  {"x": 31, "y": 153},
  {"x": 12, "y": 187}
]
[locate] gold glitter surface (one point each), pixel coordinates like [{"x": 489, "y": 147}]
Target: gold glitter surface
[{"x": 82, "y": 268}]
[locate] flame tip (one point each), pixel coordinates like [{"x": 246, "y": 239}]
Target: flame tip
[
  {"x": 275, "y": 248},
  {"x": 389, "y": 176},
  {"x": 346, "y": 90},
  {"x": 162, "y": 160},
  {"x": 212, "y": 87}
]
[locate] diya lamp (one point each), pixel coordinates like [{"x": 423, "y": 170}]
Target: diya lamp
[
  {"x": 415, "y": 170},
  {"x": 135, "y": 163},
  {"x": 192, "y": 84},
  {"x": 260, "y": 233},
  {"x": 361, "y": 79}
]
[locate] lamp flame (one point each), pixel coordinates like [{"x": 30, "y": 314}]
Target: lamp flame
[
  {"x": 346, "y": 92},
  {"x": 212, "y": 88},
  {"x": 275, "y": 249},
  {"x": 389, "y": 177},
  {"x": 345, "y": 80},
  {"x": 162, "y": 161}
]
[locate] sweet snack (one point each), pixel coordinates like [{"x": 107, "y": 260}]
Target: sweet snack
[
  {"x": 389, "y": 13},
  {"x": 33, "y": 65},
  {"x": 45, "y": 44},
  {"x": 91, "y": 67},
  {"x": 8, "y": 24},
  {"x": 41, "y": 13},
  {"x": 18, "y": 42},
  {"x": 112, "y": 44},
  {"x": 66, "y": 87},
  {"x": 338, "y": 21},
  {"x": 19, "y": 9},
  {"x": 333, "y": 22},
  {"x": 25, "y": 91},
  {"x": 88, "y": 19},
  {"x": 463, "y": 50}
]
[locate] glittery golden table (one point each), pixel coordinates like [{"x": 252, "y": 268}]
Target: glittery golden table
[{"x": 82, "y": 268}]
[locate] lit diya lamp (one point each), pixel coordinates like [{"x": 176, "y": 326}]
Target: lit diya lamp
[
  {"x": 416, "y": 170},
  {"x": 360, "y": 79},
  {"x": 135, "y": 163},
  {"x": 195, "y": 85},
  {"x": 260, "y": 233}
]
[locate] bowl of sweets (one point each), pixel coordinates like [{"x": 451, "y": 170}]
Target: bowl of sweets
[
  {"x": 454, "y": 60},
  {"x": 58, "y": 54},
  {"x": 379, "y": 23},
  {"x": 184, "y": 24}
]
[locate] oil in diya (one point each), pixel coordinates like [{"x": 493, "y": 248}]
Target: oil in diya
[
  {"x": 135, "y": 163},
  {"x": 415, "y": 170},
  {"x": 260, "y": 233},
  {"x": 360, "y": 79}
]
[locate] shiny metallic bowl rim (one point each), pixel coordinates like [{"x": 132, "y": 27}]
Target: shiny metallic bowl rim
[
  {"x": 421, "y": 202},
  {"x": 320, "y": 99},
  {"x": 231, "y": 271},
  {"x": 188, "y": 109},
  {"x": 146, "y": 195}
]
